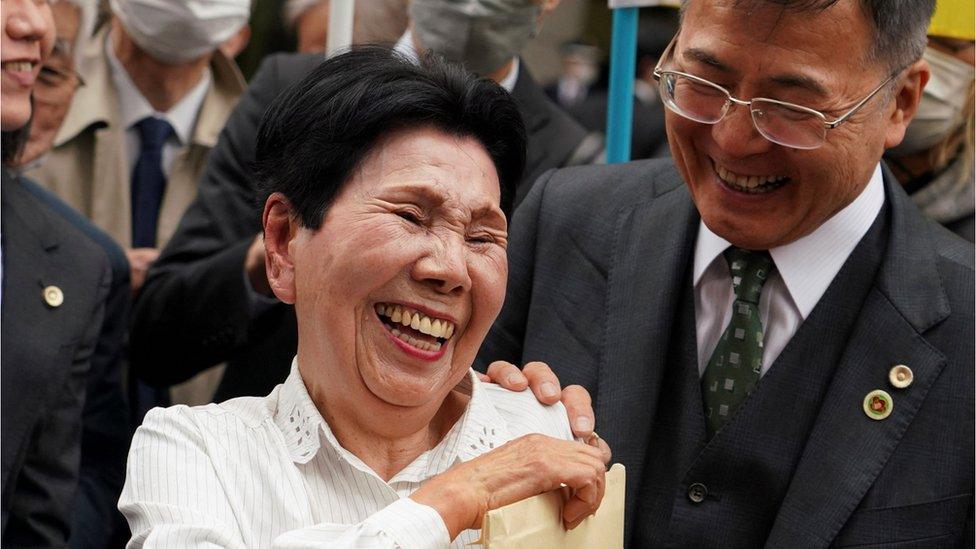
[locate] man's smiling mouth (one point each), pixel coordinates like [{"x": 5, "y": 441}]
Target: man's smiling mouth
[
  {"x": 415, "y": 328},
  {"x": 750, "y": 184}
]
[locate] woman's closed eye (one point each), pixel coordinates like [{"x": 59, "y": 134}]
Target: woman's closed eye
[
  {"x": 481, "y": 238},
  {"x": 412, "y": 216}
]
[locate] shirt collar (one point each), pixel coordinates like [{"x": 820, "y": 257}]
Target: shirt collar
[
  {"x": 480, "y": 429},
  {"x": 133, "y": 107},
  {"x": 405, "y": 47},
  {"x": 809, "y": 264}
]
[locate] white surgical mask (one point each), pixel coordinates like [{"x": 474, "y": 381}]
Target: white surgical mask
[
  {"x": 179, "y": 31},
  {"x": 482, "y": 34},
  {"x": 940, "y": 109}
]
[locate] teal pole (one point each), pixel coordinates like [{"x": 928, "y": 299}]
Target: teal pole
[{"x": 623, "y": 64}]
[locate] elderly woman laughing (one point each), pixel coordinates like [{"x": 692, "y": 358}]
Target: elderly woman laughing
[{"x": 387, "y": 188}]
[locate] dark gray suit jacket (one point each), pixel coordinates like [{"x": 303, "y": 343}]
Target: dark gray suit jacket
[
  {"x": 598, "y": 260},
  {"x": 46, "y": 356},
  {"x": 106, "y": 429},
  {"x": 193, "y": 311}
]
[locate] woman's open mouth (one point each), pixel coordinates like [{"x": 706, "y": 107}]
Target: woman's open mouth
[{"x": 416, "y": 329}]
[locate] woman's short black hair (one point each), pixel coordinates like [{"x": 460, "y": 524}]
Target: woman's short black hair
[{"x": 316, "y": 132}]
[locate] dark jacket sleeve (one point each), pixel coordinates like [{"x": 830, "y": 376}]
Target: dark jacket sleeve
[
  {"x": 40, "y": 511},
  {"x": 194, "y": 310},
  {"x": 107, "y": 429}
]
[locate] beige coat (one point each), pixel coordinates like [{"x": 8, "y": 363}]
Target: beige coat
[{"x": 88, "y": 167}]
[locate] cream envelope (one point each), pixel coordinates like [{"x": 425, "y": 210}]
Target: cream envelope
[{"x": 536, "y": 523}]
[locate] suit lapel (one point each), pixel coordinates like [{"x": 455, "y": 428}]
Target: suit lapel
[
  {"x": 652, "y": 246},
  {"x": 847, "y": 450}
]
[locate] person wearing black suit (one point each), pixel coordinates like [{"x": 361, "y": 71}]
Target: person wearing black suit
[
  {"x": 55, "y": 284},
  {"x": 197, "y": 308},
  {"x": 106, "y": 429},
  {"x": 847, "y": 417}
]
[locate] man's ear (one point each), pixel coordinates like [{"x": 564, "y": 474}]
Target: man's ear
[
  {"x": 905, "y": 101},
  {"x": 280, "y": 228}
]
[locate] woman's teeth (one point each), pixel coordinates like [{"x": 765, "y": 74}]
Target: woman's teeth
[
  {"x": 422, "y": 345},
  {"x": 751, "y": 183},
  {"x": 434, "y": 327},
  {"x": 19, "y": 66}
]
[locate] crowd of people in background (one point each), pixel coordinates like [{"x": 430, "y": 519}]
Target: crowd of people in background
[{"x": 134, "y": 261}]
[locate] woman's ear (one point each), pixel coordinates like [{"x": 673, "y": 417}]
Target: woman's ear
[
  {"x": 280, "y": 227},
  {"x": 905, "y": 101}
]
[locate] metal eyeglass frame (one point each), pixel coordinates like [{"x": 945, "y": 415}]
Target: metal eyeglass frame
[{"x": 730, "y": 100}]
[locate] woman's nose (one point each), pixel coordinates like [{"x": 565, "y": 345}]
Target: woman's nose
[
  {"x": 445, "y": 268},
  {"x": 736, "y": 135},
  {"x": 26, "y": 22}
]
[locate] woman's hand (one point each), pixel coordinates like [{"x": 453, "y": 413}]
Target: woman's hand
[{"x": 527, "y": 466}]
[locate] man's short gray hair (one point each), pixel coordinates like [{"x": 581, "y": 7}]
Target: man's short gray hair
[{"x": 899, "y": 25}]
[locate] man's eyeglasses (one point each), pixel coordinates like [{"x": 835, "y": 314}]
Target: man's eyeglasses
[{"x": 783, "y": 123}]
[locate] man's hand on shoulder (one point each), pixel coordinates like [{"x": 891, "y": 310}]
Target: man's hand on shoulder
[{"x": 539, "y": 377}]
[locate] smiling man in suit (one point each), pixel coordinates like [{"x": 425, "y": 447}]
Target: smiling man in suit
[{"x": 778, "y": 344}]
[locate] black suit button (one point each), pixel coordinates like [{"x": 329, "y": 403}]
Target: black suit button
[{"x": 697, "y": 492}]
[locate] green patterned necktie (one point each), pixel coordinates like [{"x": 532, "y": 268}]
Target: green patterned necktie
[{"x": 733, "y": 370}]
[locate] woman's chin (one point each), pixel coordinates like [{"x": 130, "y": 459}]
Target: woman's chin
[
  {"x": 405, "y": 385},
  {"x": 405, "y": 393}
]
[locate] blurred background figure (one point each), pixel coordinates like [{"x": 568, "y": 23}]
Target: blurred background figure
[
  {"x": 580, "y": 71},
  {"x": 379, "y": 22},
  {"x": 935, "y": 160},
  {"x": 648, "y": 140},
  {"x": 74, "y": 22},
  {"x": 158, "y": 89}
]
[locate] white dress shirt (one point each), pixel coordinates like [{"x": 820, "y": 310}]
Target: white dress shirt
[
  {"x": 262, "y": 472},
  {"x": 133, "y": 107},
  {"x": 804, "y": 270}
]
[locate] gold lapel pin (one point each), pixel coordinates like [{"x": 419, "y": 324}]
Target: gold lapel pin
[
  {"x": 53, "y": 296},
  {"x": 900, "y": 376},
  {"x": 878, "y": 404}
]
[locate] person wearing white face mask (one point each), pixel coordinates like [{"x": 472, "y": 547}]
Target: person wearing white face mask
[
  {"x": 935, "y": 160},
  {"x": 158, "y": 90},
  {"x": 156, "y": 68}
]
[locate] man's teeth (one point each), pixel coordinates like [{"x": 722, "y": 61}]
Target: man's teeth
[
  {"x": 435, "y": 327},
  {"x": 744, "y": 182},
  {"x": 19, "y": 66}
]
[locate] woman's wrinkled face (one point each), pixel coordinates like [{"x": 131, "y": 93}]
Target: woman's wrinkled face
[
  {"x": 396, "y": 290},
  {"x": 28, "y": 38}
]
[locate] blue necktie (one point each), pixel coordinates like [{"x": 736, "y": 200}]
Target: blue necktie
[
  {"x": 148, "y": 181},
  {"x": 148, "y": 186}
]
